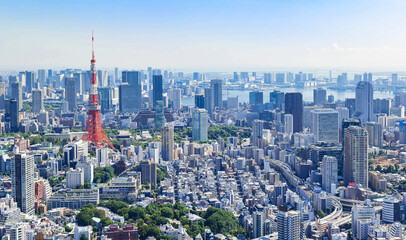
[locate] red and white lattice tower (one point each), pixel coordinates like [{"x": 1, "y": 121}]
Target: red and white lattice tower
[{"x": 94, "y": 129}]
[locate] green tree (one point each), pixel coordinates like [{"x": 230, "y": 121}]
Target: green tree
[
  {"x": 83, "y": 237},
  {"x": 167, "y": 212},
  {"x": 320, "y": 213},
  {"x": 87, "y": 185}
]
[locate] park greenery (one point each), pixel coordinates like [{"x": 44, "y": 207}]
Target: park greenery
[
  {"x": 87, "y": 212},
  {"x": 103, "y": 174},
  {"x": 148, "y": 219}
]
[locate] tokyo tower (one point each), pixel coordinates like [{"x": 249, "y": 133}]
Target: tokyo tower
[{"x": 94, "y": 129}]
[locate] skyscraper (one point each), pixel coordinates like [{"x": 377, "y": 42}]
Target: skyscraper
[
  {"x": 329, "y": 172},
  {"x": 70, "y": 93},
  {"x": 167, "y": 143},
  {"x": 11, "y": 115},
  {"x": 217, "y": 91},
  {"x": 280, "y": 78},
  {"x": 364, "y": 102},
  {"x": 42, "y": 77},
  {"x": 106, "y": 98},
  {"x": 289, "y": 124},
  {"x": 278, "y": 99},
  {"x": 256, "y": 97},
  {"x": 208, "y": 100},
  {"x": 394, "y": 79},
  {"x": 257, "y": 132},
  {"x": 199, "y": 101},
  {"x": 2, "y": 94},
  {"x": 375, "y": 134},
  {"x": 22, "y": 177},
  {"x": 288, "y": 224},
  {"x": 159, "y": 114},
  {"x": 29, "y": 81},
  {"x": 175, "y": 98},
  {"x": 17, "y": 94},
  {"x": 37, "y": 101},
  {"x": 319, "y": 96},
  {"x": 294, "y": 106},
  {"x": 325, "y": 125},
  {"x": 131, "y": 77},
  {"x": 130, "y": 98},
  {"x": 199, "y": 125},
  {"x": 196, "y": 76},
  {"x": 148, "y": 173},
  {"x": 268, "y": 78},
  {"x": 158, "y": 89},
  {"x": 356, "y": 156}
]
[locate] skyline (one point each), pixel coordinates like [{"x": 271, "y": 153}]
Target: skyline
[{"x": 205, "y": 36}]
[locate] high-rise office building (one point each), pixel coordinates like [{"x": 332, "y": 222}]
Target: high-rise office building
[
  {"x": 130, "y": 98},
  {"x": 268, "y": 78},
  {"x": 278, "y": 99},
  {"x": 256, "y": 97},
  {"x": 199, "y": 125},
  {"x": 157, "y": 92},
  {"x": 216, "y": 86},
  {"x": 148, "y": 173},
  {"x": 2, "y": 94},
  {"x": 342, "y": 80},
  {"x": 42, "y": 78},
  {"x": 17, "y": 94},
  {"x": 329, "y": 172},
  {"x": 131, "y": 77},
  {"x": 196, "y": 76},
  {"x": 175, "y": 98},
  {"x": 199, "y": 101},
  {"x": 350, "y": 104},
  {"x": 280, "y": 78},
  {"x": 11, "y": 115},
  {"x": 79, "y": 82},
  {"x": 294, "y": 106},
  {"x": 356, "y": 156},
  {"x": 257, "y": 132},
  {"x": 346, "y": 124},
  {"x": 159, "y": 114},
  {"x": 105, "y": 99},
  {"x": 325, "y": 125},
  {"x": 375, "y": 134},
  {"x": 364, "y": 102},
  {"x": 70, "y": 93},
  {"x": 208, "y": 100},
  {"x": 289, "y": 124},
  {"x": 319, "y": 96},
  {"x": 29, "y": 81},
  {"x": 22, "y": 180},
  {"x": 367, "y": 77},
  {"x": 288, "y": 224},
  {"x": 236, "y": 77},
  {"x": 394, "y": 79},
  {"x": 168, "y": 143},
  {"x": 37, "y": 101},
  {"x": 382, "y": 106}
]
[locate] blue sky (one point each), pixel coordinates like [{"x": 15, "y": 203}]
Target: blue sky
[{"x": 210, "y": 35}]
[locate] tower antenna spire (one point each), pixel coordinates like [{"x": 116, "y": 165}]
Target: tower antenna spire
[
  {"x": 92, "y": 45},
  {"x": 94, "y": 129}
]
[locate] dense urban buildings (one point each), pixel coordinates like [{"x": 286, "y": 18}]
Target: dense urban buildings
[{"x": 217, "y": 145}]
